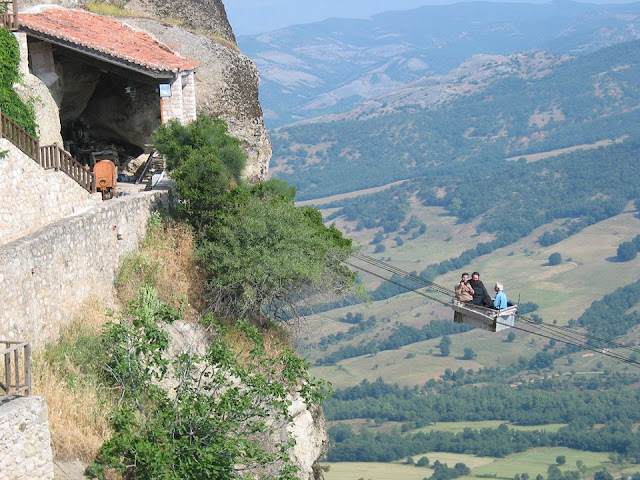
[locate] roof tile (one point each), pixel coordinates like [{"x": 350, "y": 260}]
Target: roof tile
[{"x": 106, "y": 36}]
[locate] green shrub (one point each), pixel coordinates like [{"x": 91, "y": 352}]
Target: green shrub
[
  {"x": 208, "y": 426},
  {"x": 10, "y": 104}
]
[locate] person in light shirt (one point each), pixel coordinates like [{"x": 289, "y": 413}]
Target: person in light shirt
[
  {"x": 464, "y": 292},
  {"x": 500, "y": 301}
]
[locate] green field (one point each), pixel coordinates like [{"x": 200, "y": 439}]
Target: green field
[
  {"x": 374, "y": 471},
  {"x": 537, "y": 460},
  {"x": 534, "y": 462},
  {"x": 562, "y": 292},
  {"x": 456, "y": 427}
]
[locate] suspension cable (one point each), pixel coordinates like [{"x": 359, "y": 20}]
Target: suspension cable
[{"x": 551, "y": 332}]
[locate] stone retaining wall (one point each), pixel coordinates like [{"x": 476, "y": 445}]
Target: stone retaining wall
[
  {"x": 33, "y": 197},
  {"x": 48, "y": 274},
  {"x": 25, "y": 444}
]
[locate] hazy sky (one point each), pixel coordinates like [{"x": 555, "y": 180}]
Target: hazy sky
[{"x": 255, "y": 16}]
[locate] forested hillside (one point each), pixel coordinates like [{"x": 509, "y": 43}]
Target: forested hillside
[
  {"x": 334, "y": 65},
  {"x": 527, "y": 163},
  {"x": 586, "y": 100}
]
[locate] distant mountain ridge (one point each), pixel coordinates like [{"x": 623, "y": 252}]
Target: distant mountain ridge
[
  {"x": 584, "y": 100},
  {"x": 335, "y": 65}
]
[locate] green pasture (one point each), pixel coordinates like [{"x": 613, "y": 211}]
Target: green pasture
[
  {"x": 398, "y": 470},
  {"x": 589, "y": 270},
  {"x": 444, "y": 238},
  {"x": 417, "y": 363},
  {"x": 562, "y": 292},
  {"x": 374, "y": 471},
  {"x": 537, "y": 460},
  {"x": 456, "y": 427}
]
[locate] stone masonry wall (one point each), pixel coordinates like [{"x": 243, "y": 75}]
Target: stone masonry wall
[
  {"x": 25, "y": 444},
  {"x": 48, "y": 274},
  {"x": 33, "y": 197}
]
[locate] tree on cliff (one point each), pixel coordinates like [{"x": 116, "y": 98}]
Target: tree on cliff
[
  {"x": 264, "y": 256},
  {"x": 213, "y": 422}
]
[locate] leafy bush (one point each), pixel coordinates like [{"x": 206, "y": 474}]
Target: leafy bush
[
  {"x": 263, "y": 255},
  {"x": 212, "y": 423},
  {"x": 10, "y": 103},
  {"x": 205, "y": 162},
  {"x": 469, "y": 354},
  {"x": 555, "y": 259},
  {"x": 627, "y": 251}
]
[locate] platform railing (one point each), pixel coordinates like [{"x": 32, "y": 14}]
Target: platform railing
[{"x": 15, "y": 369}]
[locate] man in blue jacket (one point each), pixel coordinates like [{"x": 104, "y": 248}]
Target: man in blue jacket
[{"x": 500, "y": 301}]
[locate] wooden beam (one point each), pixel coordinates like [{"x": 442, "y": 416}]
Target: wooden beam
[{"x": 15, "y": 14}]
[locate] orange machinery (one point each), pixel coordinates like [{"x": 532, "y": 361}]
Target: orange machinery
[{"x": 106, "y": 178}]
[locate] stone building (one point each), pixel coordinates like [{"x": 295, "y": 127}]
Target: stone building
[{"x": 113, "y": 85}]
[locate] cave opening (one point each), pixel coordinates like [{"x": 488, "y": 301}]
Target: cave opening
[{"x": 106, "y": 111}]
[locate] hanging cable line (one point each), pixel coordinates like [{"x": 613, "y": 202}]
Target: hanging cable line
[
  {"x": 560, "y": 331},
  {"x": 564, "y": 335},
  {"x": 404, "y": 274}
]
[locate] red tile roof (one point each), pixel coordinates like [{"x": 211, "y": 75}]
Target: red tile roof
[{"x": 106, "y": 36}]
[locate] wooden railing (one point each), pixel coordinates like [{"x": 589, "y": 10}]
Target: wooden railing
[
  {"x": 48, "y": 157},
  {"x": 17, "y": 368},
  {"x": 9, "y": 19},
  {"x": 18, "y": 136},
  {"x": 52, "y": 156}
]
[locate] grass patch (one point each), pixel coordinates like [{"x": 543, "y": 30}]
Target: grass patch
[
  {"x": 457, "y": 427},
  {"x": 65, "y": 375},
  {"x": 167, "y": 262},
  {"x": 215, "y": 36},
  {"x": 562, "y": 292},
  {"x": 375, "y": 471},
  {"x": 111, "y": 10},
  {"x": 537, "y": 460}
]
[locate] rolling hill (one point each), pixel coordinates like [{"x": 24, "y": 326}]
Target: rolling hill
[{"x": 334, "y": 65}]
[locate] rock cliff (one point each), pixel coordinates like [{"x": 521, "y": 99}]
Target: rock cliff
[{"x": 307, "y": 425}]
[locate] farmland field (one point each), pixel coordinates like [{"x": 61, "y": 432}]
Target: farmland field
[
  {"x": 562, "y": 292},
  {"x": 535, "y": 461}
]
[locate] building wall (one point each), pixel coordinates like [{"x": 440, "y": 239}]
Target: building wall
[
  {"x": 181, "y": 105},
  {"x": 33, "y": 197},
  {"x": 48, "y": 274},
  {"x": 25, "y": 443},
  {"x": 189, "y": 97}
]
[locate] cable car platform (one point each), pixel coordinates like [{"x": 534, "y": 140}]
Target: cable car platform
[{"x": 483, "y": 317}]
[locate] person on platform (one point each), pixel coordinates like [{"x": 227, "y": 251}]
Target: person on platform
[
  {"x": 481, "y": 296},
  {"x": 500, "y": 301},
  {"x": 464, "y": 291}
]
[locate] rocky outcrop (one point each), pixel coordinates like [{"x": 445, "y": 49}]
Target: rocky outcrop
[
  {"x": 306, "y": 425},
  {"x": 226, "y": 87},
  {"x": 197, "y": 15},
  {"x": 33, "y": 91}
]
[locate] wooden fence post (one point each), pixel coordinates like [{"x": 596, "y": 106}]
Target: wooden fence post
[
  {"x": 27, "y": 367},
  {"x": 16, "y": 22},
  {"x": 7, "y": 371}
]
